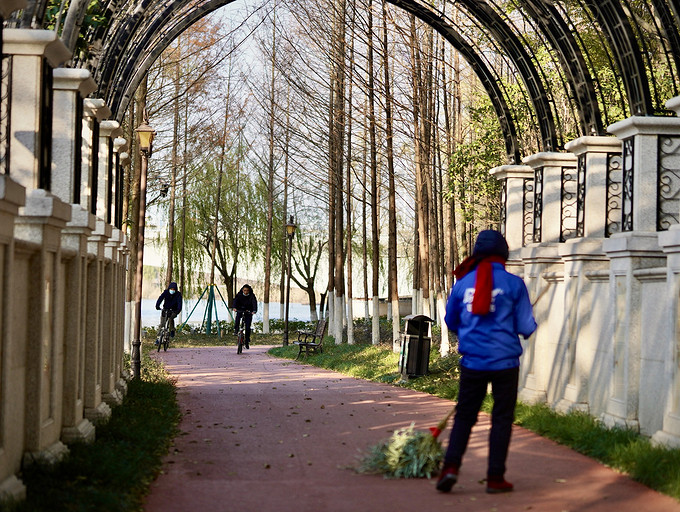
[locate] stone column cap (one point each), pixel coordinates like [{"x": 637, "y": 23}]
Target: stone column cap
[
  {"x": 7, "y": 7},
  {"x": 12, "y": 195},
  {"x": 72, "y": 79},
  {"x": 512, "y": 171},
  {"x": 110, "y": 129},
  {"x": 674, "y": 105},
  {"x": 549, "y": 158},
  {"x": 43, "y": 204},
  {"x": 593, "y": 144},
  {"x": 644, "y": 125},
  {"x": 632, "y": 244},
  {"x": 44, "y": 43},
  {"x": 120, "y": 145},
  {"x": 96, "y": 107}
]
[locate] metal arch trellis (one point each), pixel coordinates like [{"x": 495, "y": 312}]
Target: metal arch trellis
[
  {"x": 610, "y": 15},
  {"x": 556, "y": 27},
  {"x": 666, "y": 36},
  {"x": 496, "y": 26},
  {"x": 547, "y": 27},
  {"x": 603, "y": 100}
]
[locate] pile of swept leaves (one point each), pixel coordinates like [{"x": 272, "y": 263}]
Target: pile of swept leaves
[{"x": 408, "y": 453}]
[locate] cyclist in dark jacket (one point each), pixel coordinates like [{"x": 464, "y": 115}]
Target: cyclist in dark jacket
[
  {"x": 170, "y": 299},
  {"x": 245, "y": 306}
]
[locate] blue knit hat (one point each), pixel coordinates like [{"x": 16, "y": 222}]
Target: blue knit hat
[{"x": 490, "y": 243}]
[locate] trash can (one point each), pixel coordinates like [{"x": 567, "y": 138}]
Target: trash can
[{"x": 415, "y": 346}]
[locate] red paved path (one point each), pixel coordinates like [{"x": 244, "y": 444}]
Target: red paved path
[{"x": 263, "y": 434}]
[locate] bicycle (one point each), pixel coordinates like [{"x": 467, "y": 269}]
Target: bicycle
[
  {"x": 163, "y": 339},
  {"x": 241, "y": 334}
]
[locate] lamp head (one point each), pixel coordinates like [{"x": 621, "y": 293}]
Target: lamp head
[
  {"x": 146, "y": 135},
  {"x": 291, "y": 227}
]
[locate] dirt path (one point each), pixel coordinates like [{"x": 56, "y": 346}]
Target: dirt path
[{"x": 263, "y": 434}]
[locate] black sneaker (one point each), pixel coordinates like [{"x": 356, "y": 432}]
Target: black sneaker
[{"x": 247, "y": 345}]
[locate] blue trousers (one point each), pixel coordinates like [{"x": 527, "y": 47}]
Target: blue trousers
[{"x": 473, "y": 386}]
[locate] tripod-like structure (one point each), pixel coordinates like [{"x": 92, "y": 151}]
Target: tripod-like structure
[{"x": 212, "y": 305}]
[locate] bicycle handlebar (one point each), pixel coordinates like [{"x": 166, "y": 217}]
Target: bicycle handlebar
[{"x": 238, "y": 310}]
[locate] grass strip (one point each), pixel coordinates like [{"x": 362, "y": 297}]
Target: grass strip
[
  {"x": 621, "y": 449},
  {"x": 112, "y": 474}
]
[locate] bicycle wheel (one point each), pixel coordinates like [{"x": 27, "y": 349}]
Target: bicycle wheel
[
  {"x": 166, "y": 341},
  {"x": 239, "y": 342},
  {"x": 161, "y": 336}
]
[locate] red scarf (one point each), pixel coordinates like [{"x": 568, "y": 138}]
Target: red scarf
[{"x": 481, "y": 301}]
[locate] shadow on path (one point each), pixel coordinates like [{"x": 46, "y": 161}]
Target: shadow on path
[{"x": 263, "y": 434}]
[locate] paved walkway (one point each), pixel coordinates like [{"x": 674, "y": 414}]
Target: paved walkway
[{"x": 263, "y": 434}]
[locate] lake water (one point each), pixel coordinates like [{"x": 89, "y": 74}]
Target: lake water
[{"x": 151, "y": 317}]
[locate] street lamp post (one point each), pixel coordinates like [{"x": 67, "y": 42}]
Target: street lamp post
[
  {"x": 146, "y": 135},
  {"x": 290, "y": 231}
]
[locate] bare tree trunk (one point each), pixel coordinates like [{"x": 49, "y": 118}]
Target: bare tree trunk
[
  {"x": 392, "y": 193},
  {"x": 421, "y": 173},
  {"x": 348, "y": 186},
  {"x": 375, "y": 334},
  {"x": 339, "y": 136},
  {"x": 284, "y": 269},
  {"x": 270, "y": 187},
  {"x": 364, "y": 238},
  {"x": 182, "y": 247},
  {"x": 173, "y": 175},
  {"x": 136, "y": 118}
]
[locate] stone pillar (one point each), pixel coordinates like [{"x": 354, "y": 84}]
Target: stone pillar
[
  {"x": 555, "y": 195},
  {"x": 651, "y": 187},
  {"x": 581, "y": 333},
  {"x": 600, "y": 176},
  {"x": 543, "y": 277},
  {"x": 13, "y": 353},
  {"x": 110, "y": 355},
  {"x": 70, "y": 87},
  {"x": 96, "y": 410},
  {"x": 517, "y": 183},
  {"x": 630, "y": 254},
  {"x": 120, "y": 147},
  {"x": 76, "y": 428},
  {"x": 38, "y": 231},
  {"x": 108, "y": 131},
  {"x": 94, "y": 111},
  {"x": 33, "y": 53},
  {"x": 669, "y": 434}
]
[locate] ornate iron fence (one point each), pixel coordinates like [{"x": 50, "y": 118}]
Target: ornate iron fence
[
  {"x": 569, "y": 203},
  {"x": 668, "y": 182},
  {"x": 538, "y": 204},
  {"x": 627, "y": 199},
  {"x": 528, "y": 209},
  {"x": 614, "y": 183}
]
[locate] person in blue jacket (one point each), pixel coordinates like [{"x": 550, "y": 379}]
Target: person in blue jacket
[
  {"x": 488, "y": 309},
  {"x": 171, "y": 300}
]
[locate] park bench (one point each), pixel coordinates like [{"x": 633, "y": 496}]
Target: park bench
[{"x": 311, "y": 341}]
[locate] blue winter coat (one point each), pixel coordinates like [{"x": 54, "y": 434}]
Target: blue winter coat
[{"x": 491, "y": 341}]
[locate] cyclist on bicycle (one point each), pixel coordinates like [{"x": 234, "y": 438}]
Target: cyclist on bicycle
[
  {"x": 172, "y": 301},
  {"x": 245, "y": 306}
]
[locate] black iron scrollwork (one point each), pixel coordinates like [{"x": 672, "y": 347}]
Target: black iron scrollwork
[
  {"x": 614, "y": 194},
  {"x": 668, "y": 183},
  {"x": 581, "y": 197},
  {"x": 538, "y": 204},
  {"x": 5, "y": 111},
  {"x": 627, "y": 199},
  {"x": 528, "y": 209}
]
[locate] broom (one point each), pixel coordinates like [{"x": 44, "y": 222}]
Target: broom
[{"x": 408, "y": 453}]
